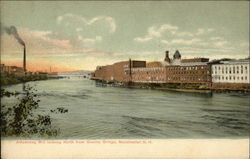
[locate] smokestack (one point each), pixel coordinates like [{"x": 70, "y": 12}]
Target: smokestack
[
  {"x": 13, "y": 31},
  {"x": 167, "y": 54},
  {"x": 167, "y": 59},
  {"x": 24, "y": 58},
  {"x": 130, "y": 65}
]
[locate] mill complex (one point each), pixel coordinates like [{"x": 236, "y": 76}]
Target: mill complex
[{"x": 197, "y": 73}]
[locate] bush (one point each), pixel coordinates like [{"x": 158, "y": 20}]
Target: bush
[{"x": 20, "y": 120}]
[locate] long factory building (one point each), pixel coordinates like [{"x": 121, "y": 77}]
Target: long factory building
[{"x": 228, "y": 74}]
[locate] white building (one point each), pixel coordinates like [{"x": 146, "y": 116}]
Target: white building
[{"x": 234, "y": 71}]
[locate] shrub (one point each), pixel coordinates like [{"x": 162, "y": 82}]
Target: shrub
[{"x": 20, "y": 120}]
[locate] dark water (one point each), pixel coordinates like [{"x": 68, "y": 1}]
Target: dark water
[{"x": 97, "y": 112}]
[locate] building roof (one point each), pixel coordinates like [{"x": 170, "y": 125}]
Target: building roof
[
  {"x": 154, "y": 64},
  {"x": 195, "y": 60},
  {"x": 229, "y": 61},
  {"x": 177, "y": 54}
]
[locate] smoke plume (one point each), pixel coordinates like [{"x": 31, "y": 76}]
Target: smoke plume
[{"x": 13, "y": 31}]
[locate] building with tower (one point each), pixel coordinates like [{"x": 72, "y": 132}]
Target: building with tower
[
  {"x": 175, "y": 70},
  {"x": 193, "y": 73}
]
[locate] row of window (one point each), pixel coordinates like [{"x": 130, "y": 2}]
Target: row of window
[
  {"x": 148, "y": 78},
  {"x": 154, "y": 69},
  {"x": 189, "y": 72},
  {"x": 229, "y": 71},
  {"x": 230, "y": 67},
  {"x": 186, "y": 68},
  {"x": 188, "y": 78},
  {"x": 230, "y": 78}
]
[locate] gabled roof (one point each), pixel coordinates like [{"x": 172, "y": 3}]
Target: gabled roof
[{"x": 177, "y": 54}]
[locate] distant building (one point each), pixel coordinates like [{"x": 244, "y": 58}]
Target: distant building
[
  {"x": 12, "y": 69},
  {"x": 153, "y": 72},
  {"x": 196, "y": 70},
  {"x": 116, "y": 72},
  {"x": 231, "y": 73},
  {"x": 173, "y": 70}
]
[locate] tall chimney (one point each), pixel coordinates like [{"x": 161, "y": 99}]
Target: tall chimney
[
  {"x": 130, "y": 65},
  {"x": 24, "y": 58},
  {"x": 167, "y": 59}
]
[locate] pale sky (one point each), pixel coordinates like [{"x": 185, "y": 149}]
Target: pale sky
[{"x": 82, "y": 35}]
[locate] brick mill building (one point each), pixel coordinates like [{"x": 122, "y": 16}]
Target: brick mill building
[{"x": 175, "y": 70}]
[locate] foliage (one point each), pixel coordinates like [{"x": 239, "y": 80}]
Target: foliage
[
  {"x": 20, "y": 119},
  {"x": 7, "y": 79}
]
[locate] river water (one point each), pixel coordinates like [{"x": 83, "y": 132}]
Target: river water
[{"x": 102, "y": 112}]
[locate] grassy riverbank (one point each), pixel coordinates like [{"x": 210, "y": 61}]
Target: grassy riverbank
[{"x": 8, "y": 79}]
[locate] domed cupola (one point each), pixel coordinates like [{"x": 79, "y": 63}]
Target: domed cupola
[{"x": 177, "y": 55}]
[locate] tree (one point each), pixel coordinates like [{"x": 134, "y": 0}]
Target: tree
[{"x": 20, "y": 120}]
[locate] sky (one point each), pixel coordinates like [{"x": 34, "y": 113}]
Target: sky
[{"x": 77, "y": 35}]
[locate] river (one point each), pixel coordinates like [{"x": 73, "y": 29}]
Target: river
[{"x": 99, "y": 112}]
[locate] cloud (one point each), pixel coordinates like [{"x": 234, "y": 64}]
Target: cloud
[
  {"x": 142, "y": 39},
  {"x": 89, "y": 40},
  {"x": 183, "y": 34},
  {"x": 201, "y": 42},
  {"x": 221, "y": 43},
  {"x": 216, "y": 38},
  {"x": 244, "y": 44},
  {"x": 185, "y": 42},
  {"x": 109, "y": 20},
  {"x": 155, "y": 31},
  {"x": 182, "y": 41},
  {"x": 165, "y": 42},
  {"x": 202, "y": 31},
  {"x": 79, "y": 29},
  {"x": 46, "y": 44}
]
